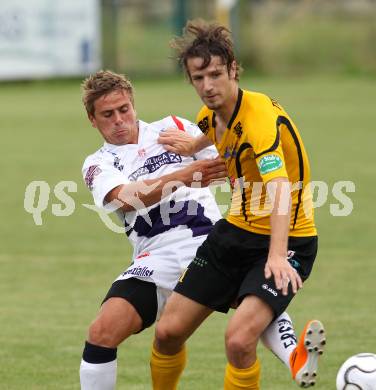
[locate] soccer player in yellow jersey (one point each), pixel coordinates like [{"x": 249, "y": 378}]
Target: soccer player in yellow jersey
[{"x": 259, "y": 256}]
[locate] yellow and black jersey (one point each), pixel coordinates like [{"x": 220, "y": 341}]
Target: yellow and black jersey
[{"x": 261, "y": 143}]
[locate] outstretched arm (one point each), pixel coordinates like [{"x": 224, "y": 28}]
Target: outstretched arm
[
  {"x": 145, "y": 193},
  {"x": 277, "y": 264},
  {"x": 181, "y": 142}
]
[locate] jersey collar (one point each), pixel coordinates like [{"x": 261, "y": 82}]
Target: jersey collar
[{"x": 235, "y": 112}]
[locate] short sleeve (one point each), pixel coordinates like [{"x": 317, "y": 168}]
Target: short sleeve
[
  {"x": 271, "y": 165},
  {"x": 101, "y": 177},
  {"x": 264, "y": 136}
]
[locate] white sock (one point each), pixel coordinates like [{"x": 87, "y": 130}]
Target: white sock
[
  {"x": 100, "y": 376},
  {"x": 280, "y": 338}
]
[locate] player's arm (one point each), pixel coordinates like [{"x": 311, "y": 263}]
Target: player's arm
[
  {"x": 265, "y": 139},
  {"x": 181, "y": 142},
  {"x": 277, "y": 263},
  {"x": 145, "y": 193}
]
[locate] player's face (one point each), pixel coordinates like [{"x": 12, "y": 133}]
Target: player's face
[
  {"x": 115, "y": 118},
  {"x": 214, "y": 84}
]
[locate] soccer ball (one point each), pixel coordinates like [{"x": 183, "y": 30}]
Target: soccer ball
[{"x": 358, "y": 373}]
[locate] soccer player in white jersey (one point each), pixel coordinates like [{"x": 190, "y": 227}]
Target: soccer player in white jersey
[{"x": 167, "y": 212}]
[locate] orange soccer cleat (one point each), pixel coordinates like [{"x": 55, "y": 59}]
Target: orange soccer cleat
[{"x": 304, "y": 358}]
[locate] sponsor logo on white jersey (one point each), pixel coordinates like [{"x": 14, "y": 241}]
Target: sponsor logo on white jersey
[
  {"x": 139, "y": 271},
  {"x": 153, "y": 163}
]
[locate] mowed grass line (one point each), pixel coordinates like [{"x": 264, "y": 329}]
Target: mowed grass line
[{"x": 53, "y": 277}]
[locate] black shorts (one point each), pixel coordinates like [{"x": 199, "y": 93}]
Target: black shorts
[
  {"x": 140, "y": 294},
  {"x": 230, "y": 265}
]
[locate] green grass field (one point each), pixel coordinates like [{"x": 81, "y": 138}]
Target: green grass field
[{"x": 53, "y": 276}]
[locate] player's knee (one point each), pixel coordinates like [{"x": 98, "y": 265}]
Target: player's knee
[
  {"x": 237, "y": 345},
  {"x": 101, "y": 334},
  {"x": 164, "y": 333},
  {"x": 240, "y": 342},
  {"x": 168, "y": 331}
]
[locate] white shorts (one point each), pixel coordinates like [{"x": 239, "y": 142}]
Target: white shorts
[{"x": 164, "y": 264}]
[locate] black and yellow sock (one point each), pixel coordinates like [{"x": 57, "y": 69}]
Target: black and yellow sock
[
  {"x": 166, "y": 369},
  {"x": 242, "y": 378}
]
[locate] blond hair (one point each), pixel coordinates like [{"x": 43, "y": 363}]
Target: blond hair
[{"x": 102, "y": 83}]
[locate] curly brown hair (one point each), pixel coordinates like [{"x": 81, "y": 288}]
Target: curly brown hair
[
  {"x": 204, "y": 40},
  {"x": 102, "y": 83}
]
